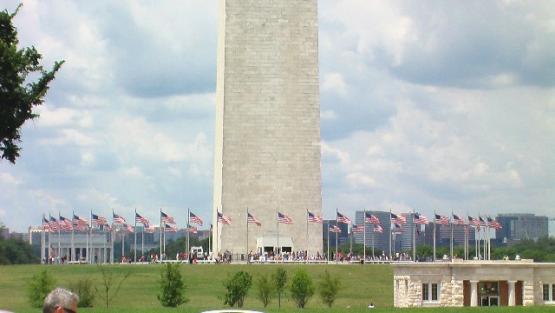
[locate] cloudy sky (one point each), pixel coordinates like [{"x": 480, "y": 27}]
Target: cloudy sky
[{"x": 443, "y": 105}]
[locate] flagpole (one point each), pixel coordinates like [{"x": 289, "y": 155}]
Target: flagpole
[
  {"x": 143, "y": 242},
  {"x": 336, "y": 244},
  {"x": 451, "y": 246},
  {"x": 217, "y": 243},
  {"x": 59, "y": 232},
  {"x": 364, "y": 235},
  {"x": 188, "y": 232},
  {"x": 135, "y": 239},
  {"x": 373, "y": 255},
  {"x": 42, "y": 242},
  {"x": 390, "y": 235},
  {"x": 247, "y": 247},
  {"x": 72, "y": 238},
  {"x": 328, "y": 241},
  {"x": 306, "y": 256},
  {"x": 49, "y": 241},
  {"x": 278, "y": 248},
  {"x": 434, "y": 238},
  {"x": 413, "y": 236},
  {"x": 160, "y": 230}
]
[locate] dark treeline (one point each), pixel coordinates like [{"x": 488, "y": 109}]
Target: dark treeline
[{"x": 15, "y": 251}]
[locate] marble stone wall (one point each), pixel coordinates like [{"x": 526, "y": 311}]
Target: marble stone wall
[{"x": 267, "y": 147}]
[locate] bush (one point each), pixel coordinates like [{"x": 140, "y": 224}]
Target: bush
[
  {"x": 265, "y": 289},
  {"x": 172, "y": 286},
  {"x": 280, "y": 281},
  {"x": 329, "y": 286},
  {"x": 237, "y": 288},
  {"x": 39, "y": 287},
  {"x": 302, "y": 288},
  {"x": 86, "y": 292}
]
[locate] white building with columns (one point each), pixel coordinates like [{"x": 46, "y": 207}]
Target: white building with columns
[{"x": 474, "y": 283}]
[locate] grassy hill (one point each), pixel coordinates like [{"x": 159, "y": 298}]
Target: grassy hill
[{"x": 360, "y": 286}]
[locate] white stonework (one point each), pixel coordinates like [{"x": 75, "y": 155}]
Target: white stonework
[
  {"x": 519, "y": 282},
  {"x": 267, "y": 146}
]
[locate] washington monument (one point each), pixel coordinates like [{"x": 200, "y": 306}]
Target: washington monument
[{"x": 267, "y": 157}]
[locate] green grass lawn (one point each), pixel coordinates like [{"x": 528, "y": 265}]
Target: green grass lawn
[{"x": 360, "y": 286}]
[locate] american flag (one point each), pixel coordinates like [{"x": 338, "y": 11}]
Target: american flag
[
  {"x": 128, "y": 228},
  {"x": 192, "y": 230},
  {"x": 99, "y": 220},
  {"x": 54, "y": 226},
  {"x": 343, "y": 219},
  {"x": 45, "y": 224},
  {"x": 141, "y": 219},
  {"x": 442, "y": 220},
  {"x": 474, "y": 222},
  {"x": 419, "y": 219},
  {"x": 494, "y": 224},
  {"x": 358, "y": 229},
  {"x": 166, "y": 218},
  {"x": 150, "y": 229},
  {"x": 195, "y": 219},
  {"x": 251, "y": 219},
  {"x": 482, "y": 222},
  {"x": 170, "y": 228},
  {"x": 398, "y": 218},
  {"x": 378, "y": 229},
  {"x": 80, "y": 223},
  {"x": 335, "y": 229},
  {"x": 396, "y": 229},
  {"x": 457, "y": 220},
  {"x": 312, "y": 218},
  {"x": 284, "y": 219},
  {"x": 372, "y": 219},
  {"x": 65, "y": 224},
  {"x": 223, "y": 219},
  {"x": 118, "y": 219}
]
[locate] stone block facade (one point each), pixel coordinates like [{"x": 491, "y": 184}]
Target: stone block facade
[
  {"x": 511, "y": 282},
  {"x": 267, "y": 156}
]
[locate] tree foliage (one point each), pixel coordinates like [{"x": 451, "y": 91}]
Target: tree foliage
[
  {"x": 328, "y": 288},
  {"x": 237, "y": 286},
  {"x": 280, "y": 281},
  {"x": 86, "y": 291},
  {"x": 172, "y": 286},
  {"x": 302, "y": 288},
  {"x": 16, "y": 251},
  {"x": 265, "y": 289},
  {"x": 18, "y": 95},
  {"x": 39, "y": 287}
]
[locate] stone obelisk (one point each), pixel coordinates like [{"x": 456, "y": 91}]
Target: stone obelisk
[{"x": 267, "y": 157}]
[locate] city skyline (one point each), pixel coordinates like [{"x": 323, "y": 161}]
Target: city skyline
[{"x": 427, "y": 106}]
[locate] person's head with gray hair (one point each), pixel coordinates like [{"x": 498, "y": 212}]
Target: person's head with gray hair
[{"x": 60, "y": 300}]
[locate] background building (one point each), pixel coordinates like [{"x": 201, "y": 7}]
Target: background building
[
  {"x": 517, "y": 227},
  {"x": 381, "y": 241},
  {"x": 443, "y": 235}
]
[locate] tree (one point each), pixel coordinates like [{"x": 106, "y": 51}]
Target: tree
[
  {"x": 86, "y": 291},
  {"x": 39, "y": 287},
  {"x": 237, "y": 288},
  {"x": 109, "y": 282},
  {"x": 329, "y": 287},
  {"x": 302, "y": 288},
  {"x": 172, "y": 286},
  {"x": 265, "y": 289},
  {"x": 280, "y": 281},
  {"x": 17, "y": 95}
]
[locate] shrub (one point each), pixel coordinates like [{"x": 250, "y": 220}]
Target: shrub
[
  {"x": 265, "y": 289},
  {"x": 237, "y": 288},
  {"x": 39, "y": 287},
  {"x": 86, "y": 292},
  {"x": 329, "y": 286},
  {"x": 172, "y": 286},
  {"x": 280, "y": 281},
  {"x": 302, "y": 288}
]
